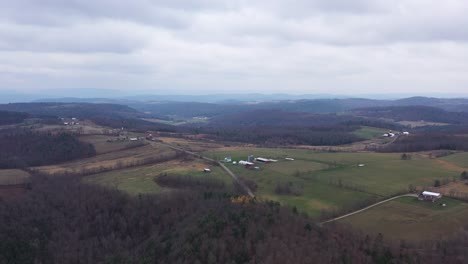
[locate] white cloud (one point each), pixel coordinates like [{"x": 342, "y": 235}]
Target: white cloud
[{"x": 268, "y": 46}]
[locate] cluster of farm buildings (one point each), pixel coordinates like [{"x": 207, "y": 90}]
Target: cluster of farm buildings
[
  {"x": 70, "y": 121},
  {"x": 393, "y": 134}
]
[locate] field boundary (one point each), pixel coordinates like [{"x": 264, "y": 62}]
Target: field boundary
[{"x": 368, "y": 207}]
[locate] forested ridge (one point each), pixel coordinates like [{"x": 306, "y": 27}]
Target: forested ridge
[
  {"x": 8, "y": 117},
  {"x": 62, "y": 220},
  {"x": 23, "y": 148}
]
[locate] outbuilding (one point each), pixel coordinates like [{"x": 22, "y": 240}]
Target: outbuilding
[{"x": 429, "y": 196}]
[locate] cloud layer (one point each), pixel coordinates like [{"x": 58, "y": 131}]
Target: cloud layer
[{"x": 299, "y": 46}]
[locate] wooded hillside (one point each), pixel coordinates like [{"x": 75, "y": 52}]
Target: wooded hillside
[{"x": 27, "y": 148}]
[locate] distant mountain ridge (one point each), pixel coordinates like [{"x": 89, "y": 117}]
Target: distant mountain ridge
[{"x": 79, "y": 110}]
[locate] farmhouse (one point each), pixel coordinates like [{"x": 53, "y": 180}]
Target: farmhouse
[{"x": 429, "y": 196}]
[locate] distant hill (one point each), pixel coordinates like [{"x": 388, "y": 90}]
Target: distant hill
[
  {"x": 414, "y": 113},
  {"x": 174, "y": 106},
  {"x": 78, "y": 110}
]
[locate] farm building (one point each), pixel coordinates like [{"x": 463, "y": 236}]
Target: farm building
[
  {"x": 289, "y": 159},
  {"x": 405, "y": 133},
  {"x": 429, "y": 196},
  {"x": 264, "y": 160},
  {"x": 227, "y": 159},
  {"x": 247, "y": 163},
  {"x": 250, "y": 158},
  {"x": 206, "y": 170}
]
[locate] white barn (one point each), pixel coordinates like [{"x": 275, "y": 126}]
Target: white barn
[{"x": 429, "y": 196}]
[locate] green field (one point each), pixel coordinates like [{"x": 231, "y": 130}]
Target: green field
[
  {"x": 382, "y": 175},
  {"x": 460, "y": 159},
  {"x": 140, "y": 180},
  {"x": 388, "y": 176},
  {"x": 366, "y": 132},
  {"x": 13, "y": 176},
  {"x": 410, "y": 219}
]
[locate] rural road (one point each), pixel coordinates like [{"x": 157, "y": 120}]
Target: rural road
[
  {"x": 368, "y": 207},
  {"x": 234, "y": 176}
]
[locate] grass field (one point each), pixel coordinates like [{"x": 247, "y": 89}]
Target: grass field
[
  {"x": 460, "y": 159},
  {"x": 410, "y": 219},
  {"x": 383, "y": 174},
  {"x": 366, "y": 132},
  {"x": 124, "y": 158},
  {"x": 141, "y": 179},
  {"x": 13, "y": 176},
  {"x": 101, "y": 144},
  {"x": 389, "y": 175}
]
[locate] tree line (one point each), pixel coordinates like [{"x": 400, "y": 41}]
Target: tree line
[
  {"x": 427, "y": 141},
  {"x": 23, "y": 148}
]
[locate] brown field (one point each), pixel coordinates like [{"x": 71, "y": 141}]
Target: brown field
[
  {"x": 458, "y": 187},
  {"x": 113, "y": 160},
  {"x": 13, "y": 176},
  {"x": 191, "y": 145},
  {"x": 85, "y": 127},
  {"x": 101, "y": 144}
]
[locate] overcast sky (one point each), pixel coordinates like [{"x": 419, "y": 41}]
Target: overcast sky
[{"x": 217, "y": 46}]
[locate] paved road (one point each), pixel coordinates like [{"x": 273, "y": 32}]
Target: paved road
[
  {"x": 234, "y": 176},
  {"x": 368, "y": 207}
]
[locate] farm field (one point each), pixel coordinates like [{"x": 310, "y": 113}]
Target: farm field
[
  {"x": 366, "y": 132},
  {"x": 334, "y": 180},
  {"x": 421, "y": 123},
  {"x": 190, "y": 145},
  {"x": 409, "y": 219},
  {"x": 101, "y": 144},
  {"x": 141, "y": 179},
  {"x": 459, "y": 159},
  {"x": 389, "y": 176},
  {"x": 113, "y": 160},
  {"x": 13, "y": 176}
]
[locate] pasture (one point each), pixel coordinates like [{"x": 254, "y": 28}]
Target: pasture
[
  {"x": 459, "y": 159},
  {"x": 409, "y": 219},
  {"x": 334, "y": 180},
  {"x": 13, "y": 176},
  {"x": 140, "y": 180}
]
